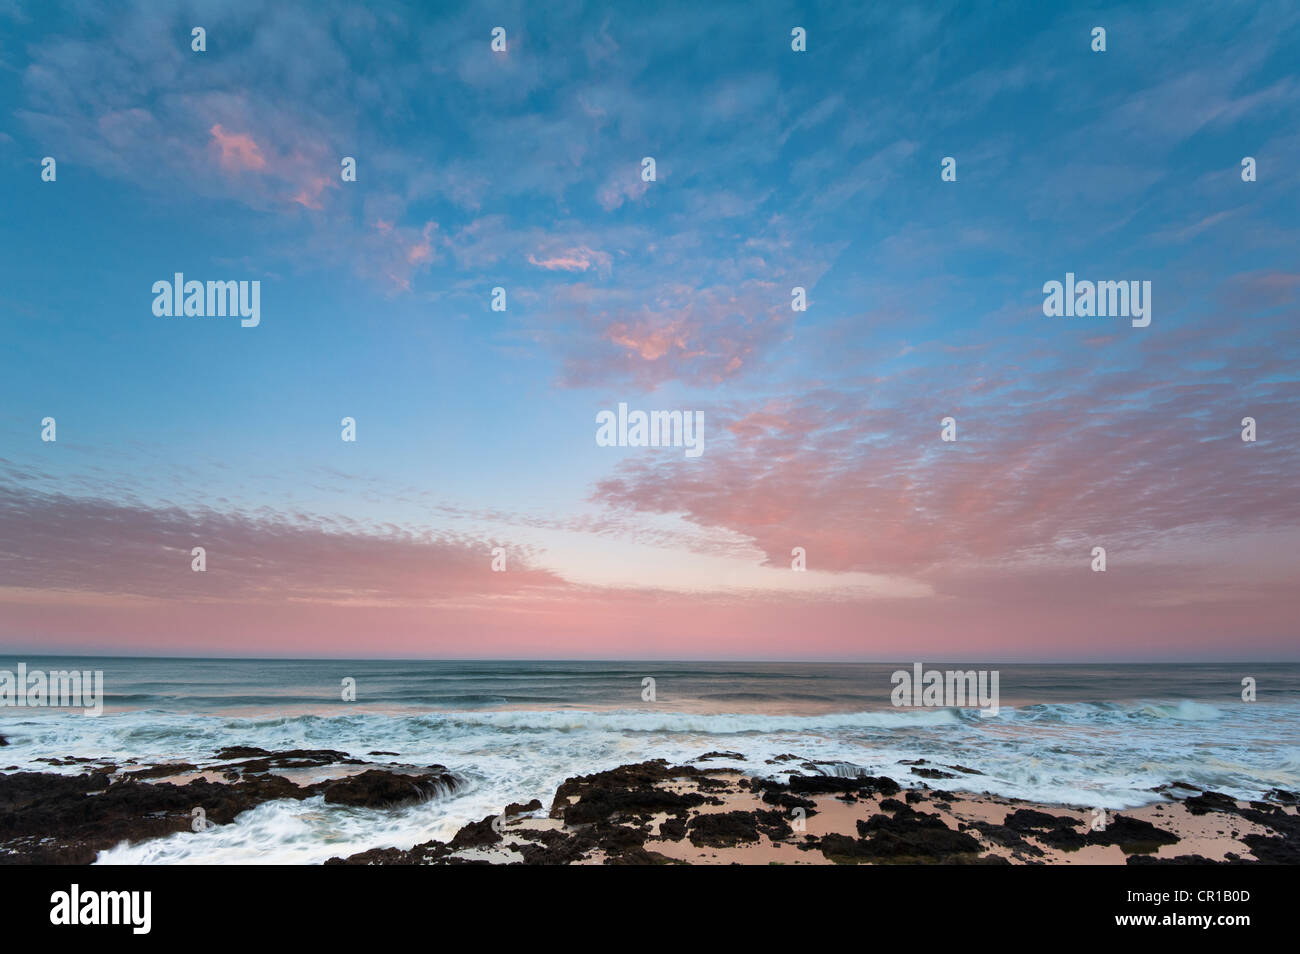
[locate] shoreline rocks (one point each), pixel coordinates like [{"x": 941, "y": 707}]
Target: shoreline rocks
[
  {"x": 48, "y": 818},
  {"x": 644, "y": 813},
  {"x": 655, "y": 813}
]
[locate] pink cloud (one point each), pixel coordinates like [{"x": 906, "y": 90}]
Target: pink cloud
[
  {"x": 421, "y": 252},
  {"x": 578, "y": 259},
  {"x": 238, "y": 150},
  {"x": 309, "y": 195},
  {"x": 618, "y": 190},
  {"x": 699, "y": 336}
]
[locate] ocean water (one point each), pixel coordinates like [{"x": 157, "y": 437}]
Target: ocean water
[{"x": 1092, "y": 735}]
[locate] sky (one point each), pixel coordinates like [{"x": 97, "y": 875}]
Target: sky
[{"x": 775, "y": 168}]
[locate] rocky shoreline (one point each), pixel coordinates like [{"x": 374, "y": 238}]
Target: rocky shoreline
[
  {"x": 654, "y": 813},
  {"x": 49, "y": 818},
  {"x": 648, "y": 813}
]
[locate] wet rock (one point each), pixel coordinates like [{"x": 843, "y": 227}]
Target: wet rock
[
  {"x": 775, "y": 825},
  {"x": 910, "y": 837},
  {"x": 932, "y": 773},
  {"x": 1280, "y": 843},
  {"x": 1007, "y": 838},
  {"x": 378, "y": 788},
  {"x": 1178, "y": 860},
  {"x": 1133, "y": 835},
  {"x": 1067, "y": 839},
  {"x": 1208, "y": 802},
  {"x": 713, "y": 785},
  {"x": 723, "y": 829},
  {"x": 673, "y": 828},
  {"x": 263, "y": 761},
  {"x": 1029, "y": 820},
  {"x": 640, "y": 856},
  {"x": 431, "y": 852},
  {"x": 553, "y": 848},
  {"x": 833, "y": 784},
  {"x": 626, "y": 792},
  {"x": 514, "y": 808},
  {"x": 1171, "y": 786},
  {"x": 479, "y": 834},
  {"x": 619, "y": 839},
  {"x": 790, "y": 802},
  {"x": 240, "y": 752},
  {"x": 913, "y": 836},
  {"x": 1273, "y": 850},
  {"x": 163, "y": 771},
  {"x": 69, "y": 819}
]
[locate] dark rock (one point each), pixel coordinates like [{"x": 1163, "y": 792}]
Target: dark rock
[
  {"x": 1170, "y": 786},
  {"x": 479, "y": 834},
  {"x": 553, "y": 847},
  {"x": 626, "y": 792},
  {"x": 915, "y": 835},
  {"x": 431, "y": 852},
  {"x": 910, "y": 837},
  {"x": 673, "y": 828},
  {"x": 1178, "y": 860},
  {"x": 790, "y": 802},
  {"x": 932, "y": 773},
  {"x": 1208, "y": 802},
  {"x": 640, "y": 856},
  {"x": 378, "y": 788},
  {"x": 69, "y": 819},
  {"x": 240, "y": 752},
  {"x": 1067, "y": 839},
  {"x": 773, "y": 824},
  {"x": 1007, "y": 838},
  {"x": 832, "y": 784},
  {"x": 723, "y": 829},
  {"x": 263, "y": 761},
  {"x": 1133, "y": 835},
  {"x": 1029, "y": 819},
  {"x": 514, "y": 808},
  {"x": 163, "y": 771},
  {"x": 713, "y": 785}
]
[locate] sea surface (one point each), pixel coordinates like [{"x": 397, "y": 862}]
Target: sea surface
[{"x": 1089, "y": 735}]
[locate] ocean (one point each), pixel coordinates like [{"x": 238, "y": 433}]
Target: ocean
[{"x": 1091, "y": 735}]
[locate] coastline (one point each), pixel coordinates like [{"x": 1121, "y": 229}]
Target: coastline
[
  {"x": 654, "y": 813},
  {"x": 647, "y": 813}
]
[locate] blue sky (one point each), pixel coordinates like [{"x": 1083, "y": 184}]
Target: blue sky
[{"x": 774, "y": 168}]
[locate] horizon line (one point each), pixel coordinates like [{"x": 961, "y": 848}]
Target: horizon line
[{"x": 4, "y": 653}]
